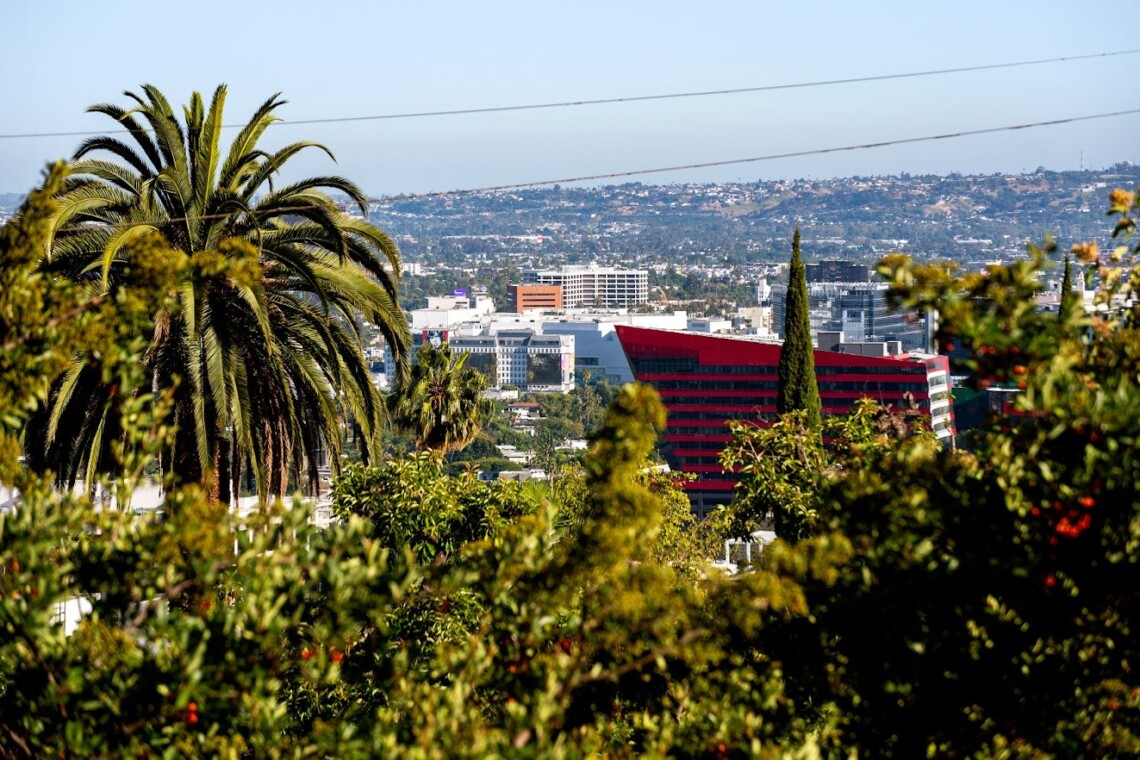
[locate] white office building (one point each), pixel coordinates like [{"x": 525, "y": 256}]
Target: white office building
[
  {"x": 596, "y": 346},
  {"x": 533, "y": 362},
  {"x": 594, "y": 285}
]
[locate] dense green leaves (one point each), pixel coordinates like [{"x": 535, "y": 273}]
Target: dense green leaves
[
  {"x": 440, "y": 400},
  {"x": 933, "y": 602}
]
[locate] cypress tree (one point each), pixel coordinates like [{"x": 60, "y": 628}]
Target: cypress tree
[
  {"x": 797, "y": 388},
  {"x": 1066, "y": 305}
]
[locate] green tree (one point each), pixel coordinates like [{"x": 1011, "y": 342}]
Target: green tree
[
  {"x": 1002, "y": 581},
  {"x": 1068, "y": 298},
  {"x": 440, "y": 401},
  {"x": 797, "y": 388},
  {"x": 785, "y": 468},
  {"x": 263, "y": 351},
  {"x": 946, "y": 603}
]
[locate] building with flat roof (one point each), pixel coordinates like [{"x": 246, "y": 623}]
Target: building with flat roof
[
  {"x": 535, "y": 298},
  {"x": 445, "y": 312},
  {"x": 837, "y": 271},
  {"x": 706, "y": 380},
  {"x": 859, "y": 310},
  {"x": 596, "y": 346},
  {"x": 531, "y": 361},
  {"x": 594, "y": 285}
]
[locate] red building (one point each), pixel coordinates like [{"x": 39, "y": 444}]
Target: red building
[{"x": 707, "y": 380}]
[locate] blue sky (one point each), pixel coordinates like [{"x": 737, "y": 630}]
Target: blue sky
[{"x": 335, "y": 59}]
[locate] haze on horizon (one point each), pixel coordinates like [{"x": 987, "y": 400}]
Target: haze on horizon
[{"x": 356, "y": 59}]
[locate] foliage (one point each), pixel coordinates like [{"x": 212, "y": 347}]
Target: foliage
[
  {"x": 785, "y": 467},
  {"x": 584, "y": 637},
  {"x": 797, "y": 389},
  {"x": 683, "y": 542},
  {"x": 782, "y": 467},
  {"x": 193, "y": 632},
  {"x": 943, "y": 603},
  {"x": 1002, "y": 582},
  {"x": 43, "y": 323},
  {"x": 440, "y": 400},
  {"x": 410, "y": 503},
  {"x": 258, "y": 342}
]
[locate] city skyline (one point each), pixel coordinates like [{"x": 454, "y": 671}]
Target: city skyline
[{"x": 399, "y": 59}]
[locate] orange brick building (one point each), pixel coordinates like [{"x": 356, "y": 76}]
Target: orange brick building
[{"x": 536, "y": 298}]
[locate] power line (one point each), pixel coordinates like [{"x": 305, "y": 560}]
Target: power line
[
  {"x": 757, "y": 159},
  {"x": 656, "y": 170},
  {"x": 706, "y": 93},
  {"x": 638, "y": 98}
]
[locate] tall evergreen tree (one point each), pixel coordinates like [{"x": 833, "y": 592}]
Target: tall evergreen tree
[
  {"x": 797, "y": 389},
  {"x": 1067, "y": 298}
]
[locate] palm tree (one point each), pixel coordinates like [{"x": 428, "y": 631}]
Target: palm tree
[
  {"x": 440, "y": 401},
  {"x": 264, "y": 348}
]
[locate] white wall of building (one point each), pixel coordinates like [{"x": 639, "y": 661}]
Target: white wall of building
[{"x": 594, "y": 285}]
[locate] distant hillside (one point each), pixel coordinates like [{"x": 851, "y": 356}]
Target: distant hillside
[
  {"x": 963, "y": 217},
  {"x": 971, "y": 218}
]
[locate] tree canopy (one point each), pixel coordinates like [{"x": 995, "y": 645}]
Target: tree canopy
[
  {"x": 940, "y": 603},
  {"x": 440, "y": 400},
  {"x": 262, "y": 351}
]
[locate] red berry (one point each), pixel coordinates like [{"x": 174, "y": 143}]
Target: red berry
[
  {"x": 192, "y": 718},
  {"x": 1087, "y": 502},
  {"x": 306, "y": 653},
  {"x": 1050, "y": 581},
  {"x": 336, "y": 654}
]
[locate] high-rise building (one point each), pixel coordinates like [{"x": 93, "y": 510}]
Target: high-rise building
[
  {"x": 838, "y": 271},
  {"x": 859, "y": 310},
  {"x": 706, "y": 380},
  {"x": 593, "y": 285}
]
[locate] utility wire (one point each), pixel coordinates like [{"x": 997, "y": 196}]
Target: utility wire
[
  {"x": 639, "y": 172},
  {"x": 756, "y": 159},
  {"x": 639, "y": 98}
]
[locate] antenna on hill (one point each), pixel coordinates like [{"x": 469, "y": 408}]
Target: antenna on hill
[{"x": 1082, "y": 160}]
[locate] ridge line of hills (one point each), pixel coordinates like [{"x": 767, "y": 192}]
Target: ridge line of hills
[{"x": 961, "y": 217}]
